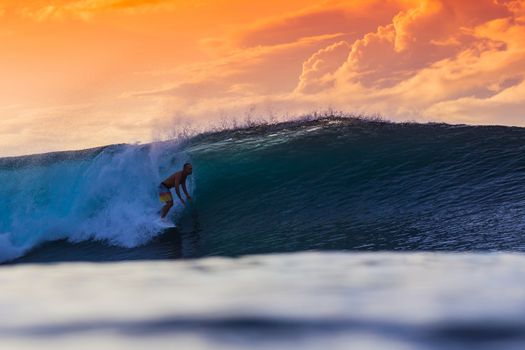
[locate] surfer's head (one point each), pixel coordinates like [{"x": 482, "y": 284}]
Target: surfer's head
[{"x": 187, "y": 169}]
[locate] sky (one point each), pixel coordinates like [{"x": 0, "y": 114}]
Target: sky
[{"x": 83, "y": 73}]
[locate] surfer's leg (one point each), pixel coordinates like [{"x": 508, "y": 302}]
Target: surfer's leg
[
  {"x": 165, "y": 209},
  {"x": 165, "y": 197}
]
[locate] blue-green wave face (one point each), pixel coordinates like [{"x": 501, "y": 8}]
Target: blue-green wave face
[
  {"x": 347, "y": 184},
  {"x": 338, "y": 184}
]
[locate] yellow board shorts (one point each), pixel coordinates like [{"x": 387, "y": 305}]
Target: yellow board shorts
[{"x": 165, "y": 194}]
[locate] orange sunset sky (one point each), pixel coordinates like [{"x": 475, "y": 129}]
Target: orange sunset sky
[{"x": 82, "y": 73}]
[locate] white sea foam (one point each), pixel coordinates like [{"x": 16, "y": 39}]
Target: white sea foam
[{"x": 110, "y": 195}]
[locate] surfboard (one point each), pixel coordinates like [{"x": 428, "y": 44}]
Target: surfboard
[{"x": 164, "y": 223}]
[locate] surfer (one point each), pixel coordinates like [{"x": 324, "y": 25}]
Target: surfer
[{"x": 175, "y": 180}]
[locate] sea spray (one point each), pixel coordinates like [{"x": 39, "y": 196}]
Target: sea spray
[{"x": 107, "y": 194}]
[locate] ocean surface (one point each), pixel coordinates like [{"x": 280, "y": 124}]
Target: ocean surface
[
  {"x": 331, "y": 232},
  {"x": 309, "y": 300}
]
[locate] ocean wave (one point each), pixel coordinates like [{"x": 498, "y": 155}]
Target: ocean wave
[{"x": 324, "y": 184}]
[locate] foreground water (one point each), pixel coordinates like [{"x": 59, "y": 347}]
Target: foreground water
[{"x": 309, "y": 300}]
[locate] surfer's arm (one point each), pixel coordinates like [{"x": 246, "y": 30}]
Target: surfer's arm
[
  {"x": 177, "y": 191},
  {"x": 186, "y": 191}
]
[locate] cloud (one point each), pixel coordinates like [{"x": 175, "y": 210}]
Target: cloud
[
  {"x": 318, "y": 70},
  {"x": 86, "y": 9},
  {"x": 436, "y": 53},
  {"x": 420, "y": 59},
  {"x": 508, "y": 105},
  {"x": 259, "y": 70},
  {"x": 416, "y": 38},
  {"x": 354, "y": 20},
  {"x": 44, "y": 129}
]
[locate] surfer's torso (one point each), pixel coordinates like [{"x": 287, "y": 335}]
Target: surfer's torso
[{"x": 174, "y": 180}]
